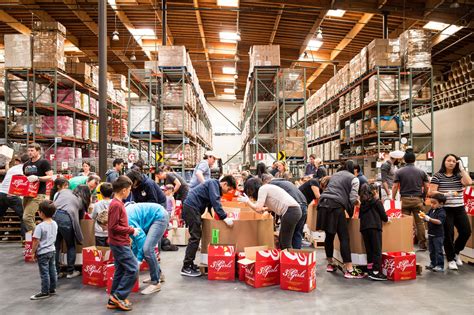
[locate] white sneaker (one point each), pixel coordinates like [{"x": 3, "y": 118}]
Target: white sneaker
[
  {"x": 74, "y": 274},
  {"x": 458, "y": 260},
  {"x": 152, "y": 288},
  {"x": 452, "y": 265}
]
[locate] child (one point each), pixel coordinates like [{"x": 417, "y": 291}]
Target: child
[
  {"x": 435, "y": 218},
  {"x": 59, "y": 184},
  {"x": 43, "y": 250},
  {"x": 170, "y": 202},
  {"x": 126, "y": 266},
  {"x": 371, "y": 215},
  {"x": 100, "y": 214}
]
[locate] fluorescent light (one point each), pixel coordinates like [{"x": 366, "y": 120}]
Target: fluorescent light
[
  {"x": 314, "y": 45},
  {"x": 228, "y": 3},
  {"x": 229, "y": 90},
  {"x": 435, "y": 26},
  {"x": 228, "y": 70},
  {"x": 222, "y": 51},
  {"x": 336, "y": 13},
  {"x": 227, "y": 97},
  {"x": 148, "y": 32},
  {"x": 451, "y": 30},
  {"x": 229, "y": 37},
  {"x": 224, "y": 79}
]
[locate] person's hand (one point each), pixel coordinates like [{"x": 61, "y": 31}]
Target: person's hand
[
  {"x": 357, "y": 203},
  {"x": 229, "y": 221},
  {"x": 426, "y": 218},
  {"x": 461, "y": 166},
  {"x": 136, "y": 231},
  {"x": 243, "y": 198},
  {"x": 34, "y": 258},
  {"x": 33, "y": 178}
]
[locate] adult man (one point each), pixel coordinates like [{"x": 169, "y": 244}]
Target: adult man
[
  {"x": 181, "y": 188},
  {"x": 387, "y": 170},
  {"x": 37, "y": 170},
  {"x": 92, "y": 181},
  {"x": 274, "y": 169},
  {"x": 311, "y": 168},
  {"x": 202, "y": 172},
  {"x": 358, "y": 173},
  {"x": 207, "y": 193},
  {"x": 115, "y": 171},
  {"x": 320, "y": 169},
  {"x": 412, "y": 183},
  {"x": 10, "y": 201}
]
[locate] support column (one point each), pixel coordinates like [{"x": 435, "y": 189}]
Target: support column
[
  {"x": 164, "y": 22},
  {"x": 385, "y": 25},
  {"x": 102, "y": 88}
]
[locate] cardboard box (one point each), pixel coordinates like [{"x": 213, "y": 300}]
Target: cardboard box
[
  {"x": 251, "y": 229},
  {"x": 109, "y": 271},
  {"x": 18, "y": 51},
  {"x": 27, "y": 250},
  {"x": 469, "y": 200},
  {"x": 399, "y": 266},
  {"x": 298, "y": 270},
  {"x": 179, "y": 236},
  {"x": 87, "y": 227},
  {"x": 393, "y": 208},
  {"x": 240, "y": 267},
  {"x": 20, "y": 186},
  {"x": 95, "y": 260},
  {"x": 221, "y": 262},
  {"x": 311, "y": 218},
  {"x": 262, "y": 266}
]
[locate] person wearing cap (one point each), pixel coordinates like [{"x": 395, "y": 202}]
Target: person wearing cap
[
  {"x": 413, "y": 183},
  {"x": 202, "y": 172},
  {"x": 388, "y": 169},
  {"x": 10, "y": 201}
]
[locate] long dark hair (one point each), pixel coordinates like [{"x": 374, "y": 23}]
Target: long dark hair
[
  {"x": 252, "y": 186},
  {"x": 84, "y": 194},
  {"x": 58, "y": 182},
  {"x": 442, "y": 169},
  {"x": 261, "y": 169},
  {"x": 367, "y": 192},
  {"x": 135, "y": 176}
]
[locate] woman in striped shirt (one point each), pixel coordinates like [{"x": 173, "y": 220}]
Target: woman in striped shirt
[{"x": 450, "y": 181}]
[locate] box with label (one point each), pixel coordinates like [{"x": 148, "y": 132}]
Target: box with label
[
  {"x": 262, "y": 266},
  {"x": 27, "y": 250},
  {"x": 399, "y": 266},
  {"x": 94, "y": 260},
  {"x": 298, "y": 270},
  {"x": 109, "y": 273},
  {"x": 20, "y": 186},
  {"x": 221, "y": 262},
  {"x": 240, "y": 267}
]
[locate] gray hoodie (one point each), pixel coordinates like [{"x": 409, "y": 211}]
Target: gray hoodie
[
  {"x": 67, "y": 201},
  {"x": 112, "y": 175},
  {"x": 343, "y": 188}
]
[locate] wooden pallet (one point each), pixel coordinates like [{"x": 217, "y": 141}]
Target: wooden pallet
[
  {"x": 317, "y": 244},
  {"x": 203, "y": 269},
  {"x": 11, "y": 225},
  {"x": 467, "y": 259}
]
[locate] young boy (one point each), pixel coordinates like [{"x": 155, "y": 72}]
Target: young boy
[
  {"x": 435, "y": 218},
  {"x": 126, "y": 266},
  {"x": 170, "y": 202},
  {"x": 100, "y": 214},
  {"x": 44, "y": 237}
]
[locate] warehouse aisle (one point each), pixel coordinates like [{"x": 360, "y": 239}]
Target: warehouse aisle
[{"x": 431, "y": 293}]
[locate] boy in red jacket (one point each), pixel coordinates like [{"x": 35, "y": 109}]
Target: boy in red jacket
[{"x": 126, "y": 265}]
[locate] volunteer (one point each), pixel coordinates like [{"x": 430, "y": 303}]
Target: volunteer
[
  {"x": 450, "y": 181},
  {"x": 387, "y": 171},
  {"x": 144, "y": 189},
  {"x": 207, "y": 193},
  {"x": 273, "y": 198},
  {"x": 261, "y": 170},
  {"x": 92, "y": 181},
  {"x": 202, "y": 172},
  {"x": 282, "y": 170},
  {"x": 181, "y": 188},
  {"x": 37, "y": 170},
  {"x": 113, "y": 173},
  {"x": 340, "y": 195},
  {"x": 86, "y": 169},
  {"x": 358, "y": 173}
]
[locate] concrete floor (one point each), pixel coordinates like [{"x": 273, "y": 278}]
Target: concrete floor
[{"x": 432, "y": 293}]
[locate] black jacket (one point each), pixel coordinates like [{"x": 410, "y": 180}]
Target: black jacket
[
  {"x": 371, "y": 215},
  {"x": 291, "y": 189},
  {"x": 149, "y": 191}
]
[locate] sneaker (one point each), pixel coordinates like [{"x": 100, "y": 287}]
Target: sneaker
[
  {"x": 458, "y": 260},
  {"x": 52, "y": 292},
  {"x": 331, "y": 268},
  {"x": 111, "y": 305},
  {"x": 152, "y": 288},
  {"x": 195, "y": 267},
  {"x": 61, "y": 275},
  {"x": 190, "y": 272},
  {"x": 122, "y": 304},
  {"x": 429, "y": 267},
  {"x": 452, "y": 265},
  {"x": 74, "y": 274},
  {"x": 162, "y": 279},
  {"x": 438, "y": 269},
  {"x": 354, "y": 274},
  {"x": 377, "y": 276},
  {"x": 39, "y": 296}
]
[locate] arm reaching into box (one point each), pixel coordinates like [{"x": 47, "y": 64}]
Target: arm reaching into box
[{"x": 215, "y": 199}]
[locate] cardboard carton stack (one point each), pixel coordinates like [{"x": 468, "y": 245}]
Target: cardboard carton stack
[
  {"x": 355, "y": 68},
  {"x": 152, "y": 65},
  {"x": 292, "y": 142},
  {"x": 291, "y": 84},
  {"x": 48, "y": 45},
  {"x": 172, "y": 56},
  {"x": 80, "y": 71},
  {"x": 387, "y": 86},
  {"x": 18, "y": 51},
  {"x": 384, "y": 53},
  {"x": 415, "y": 48},
  {"x": 363, "y": 60},
  {"x": 22, "y": 91},
  {"x": 142, "y": 117},
  {"x": 264, "y": 56},
  {"x": 174, "y": 154},
  {"x": 119, "y": 81},
  {"x": 355, "y": 98}
]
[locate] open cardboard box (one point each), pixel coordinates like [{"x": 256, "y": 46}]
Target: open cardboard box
[
  {"x": 262, "y": 266},
  {"x": 87, "y": 227}
]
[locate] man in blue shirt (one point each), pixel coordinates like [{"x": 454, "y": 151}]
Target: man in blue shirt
[
  {"x": 358, "y": 173},
  {"x": 202, "y": 171},
  {"x": 206, "y": 194}
]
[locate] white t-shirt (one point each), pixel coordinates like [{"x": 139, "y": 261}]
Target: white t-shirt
[
  {"x": 15, "y": 170},
  {"x": 275, "y": 199}
]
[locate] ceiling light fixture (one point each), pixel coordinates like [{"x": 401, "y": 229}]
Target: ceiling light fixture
[
  {"x": 314, "y": 45},
  {"x": 435, "y": 26},
  {"x": 336, "y": 13},
  {"x": 319, "y": 34},
  {"x": 454, "y": 5},
  {"x": 115, "y": 36},
  {"x": 228, "y": 70},
  {"x": 236, "y": 76},
  {"x": 229, "y": 37},
  {"x": 133, "y": 57},
  {"x": 228, "y": 3}
]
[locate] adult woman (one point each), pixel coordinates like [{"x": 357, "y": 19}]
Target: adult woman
[
  {"x": 84, "y": 194},
  {"x": 144, "y": 189},
  {"x": 86, "y": 169},
  {"x": 69, "y": 204},
  {"x": 274, "y": 198},
  {"x": 340, "y": 195},
  {"x": 261, "y": 169},
  {"x": 450, "y": 181},
  {"x": 282, "y": 171}
]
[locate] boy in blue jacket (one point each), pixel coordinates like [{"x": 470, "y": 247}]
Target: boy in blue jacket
[{"x": 152, "y": 220}]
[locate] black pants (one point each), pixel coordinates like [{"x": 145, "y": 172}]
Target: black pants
[
  {"x": 66, "y": 233},
  {"x": 288, "y": 225},
  {"x": 339, "y": 217},
  {"x": 101, "y": 241},
  {"x": 192, "y": 218},
  {"x": 14, "y": 203},
  {"x": 299, "y": 234},
  {"x": 455, "y": 217},
  {"x": 373, "y": 247}
]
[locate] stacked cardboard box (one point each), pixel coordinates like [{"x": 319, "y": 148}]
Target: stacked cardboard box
[
  {"x": 415, "y": 48},
  {"x": 172, "y": 56},
  {"x": 355, "y": 68},
  {"x": 363, "y": 60},
  {"x": 18, "y": 51},
  {"x": 291, "y": 84},
  {"x": 142, "y": 117},
  {"x": 81, "y": 71},
  {"x": 48, "y": 50},
  {"x": 387, "y": 86},
  {"x": 384, "y": 53},
  {"x": 173, "y": 121},
  {"x": 174, "y": 154},
  {"x": 355, "y": 98},
  {"x": 152, "y": 65},
  {"x": 264, "y": 56},
  {"x": 119, "y": 81}
]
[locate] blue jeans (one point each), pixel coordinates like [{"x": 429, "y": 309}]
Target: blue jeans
[
  {"x": 126, "y": 271},
  {"x": 435, "y": 244},
  {"x": 66, "y": 233},
  {"x": 298, "y": 235},
  {"x": 153, "y": 238},
  {"x": 47, "y": 270}
]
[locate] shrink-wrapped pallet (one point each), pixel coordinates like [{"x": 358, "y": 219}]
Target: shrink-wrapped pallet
[
  {"x": 64, "y": 126},
  {"x": 48, "y": 50},
  {"x": 172, "y": 56},
  {"x": 142, "y": 117},
  {"x": 18, "y": 51},
  {"x": 69, "y": 97},
  {"x": 415, "y": 48}
]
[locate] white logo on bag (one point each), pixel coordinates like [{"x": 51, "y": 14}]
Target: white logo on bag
[
  {"x": 264, "y": 271},
  {"x": 221, "y": 264},
  {"x": 92, "y": 269},
  {"x": 389, "y": 266},
  {"x": 293, "y": 273},
  {"x": 19, "y": 183}
]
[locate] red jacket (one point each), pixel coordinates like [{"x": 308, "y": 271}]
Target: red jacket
[{"x": 118, "y": 227}]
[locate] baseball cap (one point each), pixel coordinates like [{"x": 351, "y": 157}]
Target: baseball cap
[
  {"x": 211, "y": 153},
  {"x": 397, "y": 154}
]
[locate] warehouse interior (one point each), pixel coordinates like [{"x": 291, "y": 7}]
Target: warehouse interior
[{"x": 164, "y": 82}]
